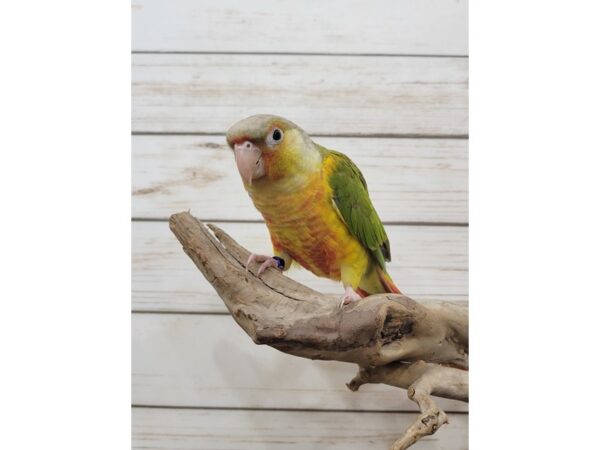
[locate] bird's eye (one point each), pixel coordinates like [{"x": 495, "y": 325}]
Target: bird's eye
[{"x": 275, "y": 137}]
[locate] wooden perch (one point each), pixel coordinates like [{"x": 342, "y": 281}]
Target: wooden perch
[{"x": 421, "y": 347}]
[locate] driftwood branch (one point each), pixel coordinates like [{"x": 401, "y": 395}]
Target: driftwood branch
[{"x": 421, "y": 347}]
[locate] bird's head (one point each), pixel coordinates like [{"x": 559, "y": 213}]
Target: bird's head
[{"x": 270, "y": 148}]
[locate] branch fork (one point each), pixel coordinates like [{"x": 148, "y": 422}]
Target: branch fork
[{"x": 420, "y": 347}]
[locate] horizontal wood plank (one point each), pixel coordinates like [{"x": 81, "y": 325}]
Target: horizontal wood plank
[
  {"x": 208, "y": 361},
  {"x": 410, "y": 180},
  {"x": 181, "y": 429},
  {"x": 344, "y": 95},
  {"x": 425, "y": 27},
  {"x": 427, "y": 263}
]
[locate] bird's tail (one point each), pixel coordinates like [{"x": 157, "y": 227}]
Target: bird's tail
[
  {"x": 387, "y": 282},
  {"x": 378, "y": 283}
]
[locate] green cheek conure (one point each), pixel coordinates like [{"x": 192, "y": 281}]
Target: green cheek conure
[{"x": 315, "y": 204}]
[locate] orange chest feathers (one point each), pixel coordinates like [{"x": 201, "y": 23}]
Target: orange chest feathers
[{"x": 303, "y": 222}]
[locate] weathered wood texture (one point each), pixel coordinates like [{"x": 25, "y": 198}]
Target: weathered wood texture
[
  {"x": 208, "y": 361},
  {"x": 427, "y": 263},
  {"x": 410, "y": 180},
  {"x": 182, "y": 429},
  {"x": 423, "y": 27},
  {"x": 348, "y": 95},
  {"x": 204, "y": 360}
]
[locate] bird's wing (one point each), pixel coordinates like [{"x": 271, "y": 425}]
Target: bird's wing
[{"x": 352, "y": 202}]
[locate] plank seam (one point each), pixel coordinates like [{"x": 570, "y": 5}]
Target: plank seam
[
  {"x": 250, "y": 221},
  {"x": 245, "y": 408},
  {"x": 315, "y": 135},
  {"x": 184, "y": 313},
  {"x": 259, "y": 53}
]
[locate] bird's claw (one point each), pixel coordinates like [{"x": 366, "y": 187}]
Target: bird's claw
[
  {"x": 266, "y": 262},
  {"x": 349, "y": 296},
  {"x": 254, "y": 258}
]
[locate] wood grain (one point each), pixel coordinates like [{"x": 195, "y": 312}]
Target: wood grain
[
  {"x": 410, "y": 180},
  {"x": 347, "y": 95},
  {"x": 427, "y": 263},
  {"x": 425, "y": 27},
  {"x": 328, "y": 67},
  {"x": 183, "y": 429},
  {"x": 208, "y": 361}
]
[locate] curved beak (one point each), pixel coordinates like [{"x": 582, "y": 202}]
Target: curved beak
[{"x": 249, "y": 161}]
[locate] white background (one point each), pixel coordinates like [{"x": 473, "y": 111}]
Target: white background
[
  {"x": 386, "y": 82},
  {"x": 65, "y": 229}
]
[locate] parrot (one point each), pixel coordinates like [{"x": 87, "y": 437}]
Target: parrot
[{"x": 315, "y": 204}]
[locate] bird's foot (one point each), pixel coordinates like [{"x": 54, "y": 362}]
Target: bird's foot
[
  {"x": 266, "y": 262},
  {"x": 349, "y": 296}
]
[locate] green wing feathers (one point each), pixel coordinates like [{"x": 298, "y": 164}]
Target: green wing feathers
[{"x": 351, "y": 197}]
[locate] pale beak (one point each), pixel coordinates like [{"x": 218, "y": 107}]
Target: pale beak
[{"x": 249, "y": 161}]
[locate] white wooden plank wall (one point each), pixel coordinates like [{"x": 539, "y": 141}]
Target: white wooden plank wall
[
  {"x": 416, "y": 27},
  {"x": 425, "y": 180},
  {"x": 426, "y": 264},
  {"x": 326, "y": 95},
  {"x": 385, "y": 82},
  {"x": 184, "y": 429}
]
